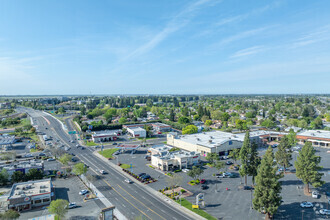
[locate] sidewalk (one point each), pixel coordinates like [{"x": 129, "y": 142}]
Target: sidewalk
[{"x": 152, "y": 191}]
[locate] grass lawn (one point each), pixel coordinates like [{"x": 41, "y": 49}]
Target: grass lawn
[
  {"x": 91, "y": 143},
  {"x": 126, "y": 166},
  {"x": 200, "y": 212},
  {"x": 108, "y": 152},
  {"x": 33, "y": 150}
]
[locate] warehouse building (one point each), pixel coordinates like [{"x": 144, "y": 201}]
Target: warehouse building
[{"x": 28, "y": 195}]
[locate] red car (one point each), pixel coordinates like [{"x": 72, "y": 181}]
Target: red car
[{"x": 203, "y": 181}]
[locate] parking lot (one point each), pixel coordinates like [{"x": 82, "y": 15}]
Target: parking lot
[
  {"x": 235, "y": 203},
  {"x": 68, "y": 189}
]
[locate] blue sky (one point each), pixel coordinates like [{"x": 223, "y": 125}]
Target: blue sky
[{"x": 164, "y": 47}]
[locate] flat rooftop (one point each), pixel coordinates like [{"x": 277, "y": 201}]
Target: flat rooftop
[
  {"x": 315, "y": 134},
  {"x": 211, "y": 139},
  {"x": 6, "y": 140},
  {"x": 22, "y": 164},
  {"x": 30, "y": 188},
  {"x": 136, "y": 129}
]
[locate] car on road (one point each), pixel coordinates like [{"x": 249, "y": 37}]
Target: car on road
[
  {"x": 128, "y": 181},
  {"x": 103, "y": 172},
  {"x": 315, "y": 194},
  {"x": 185, "y": 170},
  {"x": 83, "y": 192},
  {"x": 229, "y": 162},
  {"x": 203, "y": 181},
  {"x": 325, "y": 212},
  {"x": 51, "y": 159},
  {"x": 42, "y": 154},
  {"x": 28, "y": 155},
  {"x": 72, "y": 141},
  {"x": 73, "y": 159},
  {"x": 97, "y": 146},
  {"x": 306, "y": 204},
  {"x": 72, "y": 205},
  {"x": 114, "y": 144}
]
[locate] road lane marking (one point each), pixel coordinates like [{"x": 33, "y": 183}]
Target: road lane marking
[
  {"x": 141, "y": 202},
  {"x": 119, "y": 193}
]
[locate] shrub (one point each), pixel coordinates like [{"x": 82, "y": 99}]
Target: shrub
[{"x": 183, "y": 191}]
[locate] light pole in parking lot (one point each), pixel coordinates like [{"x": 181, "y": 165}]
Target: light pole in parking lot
[
  {"x": 302, "y": 214},
  {"x": 251, "y": 199}
]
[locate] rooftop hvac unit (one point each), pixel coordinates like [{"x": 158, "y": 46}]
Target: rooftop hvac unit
[
  {"x": 210, "y": 141},
  {"x": 198, "y": 139}
]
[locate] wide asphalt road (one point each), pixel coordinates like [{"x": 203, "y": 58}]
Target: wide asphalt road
[{"x": 131, "y": 199}]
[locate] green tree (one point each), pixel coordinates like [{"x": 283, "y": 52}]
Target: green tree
[
  {"x": 183, "y": 120},
  {"x": 208, "y": 122},
  {"x": 195, "y": 172},
  {"x": 244, "y": 156},
  {"x": 307, "y": 167},
  {"x": 172, "y": 115},
  {"x": 190, "y": 129},
  {"x": 267, "y": 192},
  {"x": 35, "y": 174},
  {"x": 220, "y": 165},
  {"x": 234, "y": 154},
  {"x": 64, "y": 159},
  {"x": 284, "y": 153},
  {"x": 79, "y": 169},
  {"x": 122, "y": 120},
  {"x": 4, "y": 176},
  {"x": 59, "y": 207},
  {"x": 9, "y": 214},
  {"x": 17, "y": 176},
  {"x": 317, "y": 123},
  {"x": 254, "y": 161},
  {"x": 241, "y": 124},
  {"x": 212, "y": 158}
]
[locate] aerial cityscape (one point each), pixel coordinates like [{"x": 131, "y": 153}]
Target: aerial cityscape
[{"x": 164, "y": 110}]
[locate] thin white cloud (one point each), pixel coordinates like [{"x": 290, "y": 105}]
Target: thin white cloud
[
  {"x": 319, "y": 35},
  {"x": 179, "y": 21},
  {"x": 248, "y": 51}
]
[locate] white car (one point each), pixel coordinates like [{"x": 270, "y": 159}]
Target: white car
[
  {"x": 128, "y": 181},
  {"x": 185, "y": 170},
  {"x": 325, "y": 212},
  {"x": 72, "y": 205},
  {"x": 103, "y": 172},
  {"x": 315, "y": 194},
  {"x": 83, "y": 192},
  {"x": 306, "y": 205}
]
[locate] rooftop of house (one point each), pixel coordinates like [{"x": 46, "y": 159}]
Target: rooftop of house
[{"x": 30, "y": 188}]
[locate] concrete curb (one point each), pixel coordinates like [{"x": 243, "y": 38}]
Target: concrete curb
[
  {"x": 160, "y": 196},
  {"x": 63, "y": 126}
]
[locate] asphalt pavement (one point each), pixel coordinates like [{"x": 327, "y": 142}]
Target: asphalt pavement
[{"x": 130, "y": 199}]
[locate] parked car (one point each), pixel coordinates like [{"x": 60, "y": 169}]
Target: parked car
[
  {"x": 114, "y": 144},
  {"x": 282, "y": 169},
  {"x": 72, "y": 141},
  {"x": 325, "y": 212},
  {"x": 42, "y": 154},
  {"x": 145, "y": 177},
  {"x": 274, "y": 145},
  {"x": 72, "y": 205},
  {"x": 51, "y": 159},
  {"x": 229, "y": 162},
  {"x": 141, "y": 174},
  {"x": 103, "y": 172},
  {"x": 315, "y": 194},
  {"x": 204, "y": 186},
  {"x": 305, "y": 204},
  {"x": 128, "y": 181},
  {"x": 77, "y": 145},
  {"x": 236, "y": 168},
  {"x": 248, "y": 188},
  {"x": 203, "y": 181},
  {"x": 223, "y": 157},
  {"x": 185, "y": 170},
  {"x": 83, "y": 192}
]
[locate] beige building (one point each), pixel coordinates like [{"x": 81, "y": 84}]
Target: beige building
[
  {"x": 163, "y": 159},
  {"x": 318, "y": 138}
]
